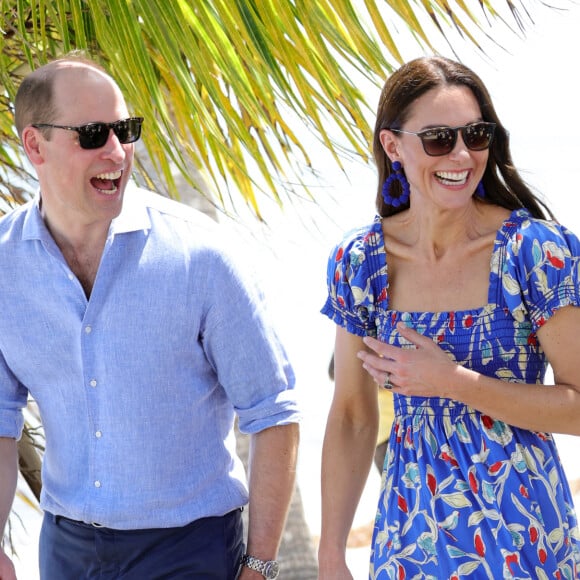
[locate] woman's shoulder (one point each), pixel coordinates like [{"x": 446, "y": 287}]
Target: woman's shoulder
[
  {"x": 357, "y": 244},
  {"x": 368, "y": 236},
  {"x": 356, "y": 277},
  {"x": 540, "y": 268},
  {"x": 522, "y": 230}
]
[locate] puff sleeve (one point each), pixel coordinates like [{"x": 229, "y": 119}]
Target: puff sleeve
[
  {"x": 356, "y": 278},
  {"x": 541, "y": 270}
]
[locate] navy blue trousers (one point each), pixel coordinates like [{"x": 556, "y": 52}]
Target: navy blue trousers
[{"x": 208, "y": 549}]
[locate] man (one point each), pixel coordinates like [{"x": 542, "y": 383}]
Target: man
[{"x": 131, "y": 325}]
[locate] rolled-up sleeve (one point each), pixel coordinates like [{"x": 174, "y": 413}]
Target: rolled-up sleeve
[
  {"x": 13, "y": 398},
  {"x": 245, "y": 350}
]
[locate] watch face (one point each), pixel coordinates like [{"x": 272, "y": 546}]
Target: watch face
[{"x": 271, "y": 570}]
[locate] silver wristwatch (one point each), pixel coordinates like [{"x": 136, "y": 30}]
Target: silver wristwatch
[{"x": 268, "y": 568}]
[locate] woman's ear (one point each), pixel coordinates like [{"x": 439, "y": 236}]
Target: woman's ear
[
  {"x": 390, "y": 145},
  {"x": 31, "y": 142}
]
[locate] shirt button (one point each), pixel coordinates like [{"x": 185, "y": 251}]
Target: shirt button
[
  {"x": 88, "y": 329},
  {"x": 98, "y": 434},
  {"x": 93, "y": 383},
  {"x": 97, "y": 483}
]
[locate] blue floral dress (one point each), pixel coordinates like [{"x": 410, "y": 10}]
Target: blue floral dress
[{"x": 465, "y": 495}]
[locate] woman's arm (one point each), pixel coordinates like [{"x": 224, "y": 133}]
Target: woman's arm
[
  {"x": 347, "y": 453},
  {"x": 428, "y": 371}
]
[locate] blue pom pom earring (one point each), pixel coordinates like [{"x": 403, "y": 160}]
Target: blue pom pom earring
[
  {"x": 399, "y": 176},
  {"x": 480, "y": 190}
]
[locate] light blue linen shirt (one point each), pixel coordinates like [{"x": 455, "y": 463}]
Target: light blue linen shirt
[{"x": 138, "y": 386}]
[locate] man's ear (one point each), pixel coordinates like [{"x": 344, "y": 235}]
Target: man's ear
[
  {"x": 31, "y": 142},
  {"x": 390, "y": 145}
]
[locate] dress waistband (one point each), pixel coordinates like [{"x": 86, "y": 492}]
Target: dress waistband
[{"x": 430, "y": 406}]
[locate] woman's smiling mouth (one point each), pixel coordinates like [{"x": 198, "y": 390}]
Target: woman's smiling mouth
[{"x": 452, "y": 177}]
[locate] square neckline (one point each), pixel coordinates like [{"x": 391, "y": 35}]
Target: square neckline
[{"x": 494, "y": 278}]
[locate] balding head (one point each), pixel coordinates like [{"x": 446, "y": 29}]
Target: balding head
[{"x": 35, "y": 100}]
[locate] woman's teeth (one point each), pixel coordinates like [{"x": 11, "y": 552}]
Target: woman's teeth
[{"x": 452, "y": 177}]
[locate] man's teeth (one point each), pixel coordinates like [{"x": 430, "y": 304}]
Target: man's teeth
[
  {"x": 112, "y": 175},
  {"x": 452, "y": 177}
]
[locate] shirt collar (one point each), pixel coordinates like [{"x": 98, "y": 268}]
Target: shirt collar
[{"x": 133, "y": 216}]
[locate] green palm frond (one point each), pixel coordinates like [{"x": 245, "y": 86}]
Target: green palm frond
[{"x": 223, "y": 84}]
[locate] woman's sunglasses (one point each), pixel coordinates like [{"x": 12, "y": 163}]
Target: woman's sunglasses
[
  {"x": 95, "y": 135},
  {"x": 441, "y": 140}
]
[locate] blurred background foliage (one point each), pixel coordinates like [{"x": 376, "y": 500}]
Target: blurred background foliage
[{"x": 225, "y": 85}]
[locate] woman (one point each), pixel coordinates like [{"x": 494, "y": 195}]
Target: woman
[{"x": 470, "y": 293}]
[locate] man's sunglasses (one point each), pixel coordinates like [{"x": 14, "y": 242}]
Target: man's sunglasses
[
  {"x": 441, "y": 140},
  {"x": 95, "y": 135}
]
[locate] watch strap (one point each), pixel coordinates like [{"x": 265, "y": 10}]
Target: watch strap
[{"x": 258, "y": 565}]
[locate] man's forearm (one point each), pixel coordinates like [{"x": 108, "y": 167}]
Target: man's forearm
[{"x": 273, "y": 455}]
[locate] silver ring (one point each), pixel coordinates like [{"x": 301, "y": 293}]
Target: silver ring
[{"x": 387, "y": 384}]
